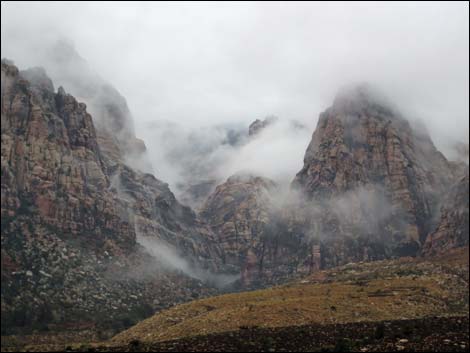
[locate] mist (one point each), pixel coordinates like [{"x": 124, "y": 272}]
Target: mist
[
  {"x": 200, "y": 69},
  {"x": 169, "y": 259}
]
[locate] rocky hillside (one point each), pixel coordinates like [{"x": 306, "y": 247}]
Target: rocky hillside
[
  {"x": 51, "y": 163},
  {"x": 70, "y": 214},
  {"x": 393, "y": 305}
]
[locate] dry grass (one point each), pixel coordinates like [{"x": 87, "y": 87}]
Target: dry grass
[{"x": 385, "y": 290}]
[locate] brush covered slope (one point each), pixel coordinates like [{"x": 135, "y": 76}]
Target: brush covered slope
[
  {"x": 408, "y": 304},
  {"x": 402, "y": 289}
]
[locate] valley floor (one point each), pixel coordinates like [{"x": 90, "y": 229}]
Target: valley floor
[{"x": 420, "y": 335}]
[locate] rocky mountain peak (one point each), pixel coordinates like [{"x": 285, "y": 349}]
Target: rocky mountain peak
[
  {"x": 112, "y": 117},
  {"x": 360, "y": 142},
  {"x": 258, "y": 125},
  {"x": 360, "y": 99},
  {"x": 37, "y": 77}
]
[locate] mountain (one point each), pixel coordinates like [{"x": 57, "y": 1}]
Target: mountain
[
  {"x": 378, "y": 176},
  {"x": 111, "y": 115},
  {"x": 90, "y": 238},
  {"x": 73, "y": 218},
  {"x": 195, "y": 154},
  {"x": 371, "y": 188}
]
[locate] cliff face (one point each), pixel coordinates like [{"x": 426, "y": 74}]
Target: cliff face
[
  {"x": 238, "y": 211},
  {"x": 157, "y": 214},
  {"x": 452, "y": 230},
  {"x": 254, "y": 231},
  {"x": 51, "y": 162},
  {"x": 70, "y": 213},
  {"x": 111, "y": 115},
  {"x": 362, "y": 144}
]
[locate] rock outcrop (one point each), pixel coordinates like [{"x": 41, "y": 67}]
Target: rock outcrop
[
  {"x": 253, "y": 231},
  {"x": 79, "y": 224},
  {"x": 258, "y": 125},
  {"x": 238, "y": 210}
]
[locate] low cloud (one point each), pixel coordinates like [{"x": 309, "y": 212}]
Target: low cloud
[{"x": 210, "y": 65}]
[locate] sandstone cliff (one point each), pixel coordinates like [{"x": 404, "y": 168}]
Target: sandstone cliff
[
  {"x": 248, "y": 215},
  {"x": 69, "y": 217},
  {"x": 362, "y": 144}
]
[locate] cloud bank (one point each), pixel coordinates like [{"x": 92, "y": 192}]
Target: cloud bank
[{"x": 186, "y": 69}]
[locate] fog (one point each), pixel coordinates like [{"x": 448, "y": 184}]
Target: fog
[
  {"x": 188, "y": 69},
  {"x": 168, "y": 257}
]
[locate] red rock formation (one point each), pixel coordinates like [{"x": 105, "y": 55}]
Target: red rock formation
[
  {"x": 238, "y": 210},
  {"x": 69, "y": 250},
  {"x": 362, "y": 144},
  {"x": 51, "y": 162}
]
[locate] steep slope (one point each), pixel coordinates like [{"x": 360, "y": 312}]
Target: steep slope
[
  {"x": 253, "y": 228},
  {"x": 68, "y": 228},
  {"x": 111, "y": 115},
  {"x": 452, "y": 230},
  {"x": 157, "y": 215},
  {"x": 51, "y": 163},
  {"x": 365, "y": 149},
  {"x": 153, "y": 207},
  {"x": 239, "y": 211}
]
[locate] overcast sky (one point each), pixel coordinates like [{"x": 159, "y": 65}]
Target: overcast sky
[{"x": 210, "y": 63}]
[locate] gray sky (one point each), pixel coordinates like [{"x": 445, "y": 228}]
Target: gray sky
[{"x": 210, "y": 63}]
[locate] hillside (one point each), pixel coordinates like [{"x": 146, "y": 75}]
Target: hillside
[
  {"x": 375, "y": 291},
  {"x": 408, "y": 299}
]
